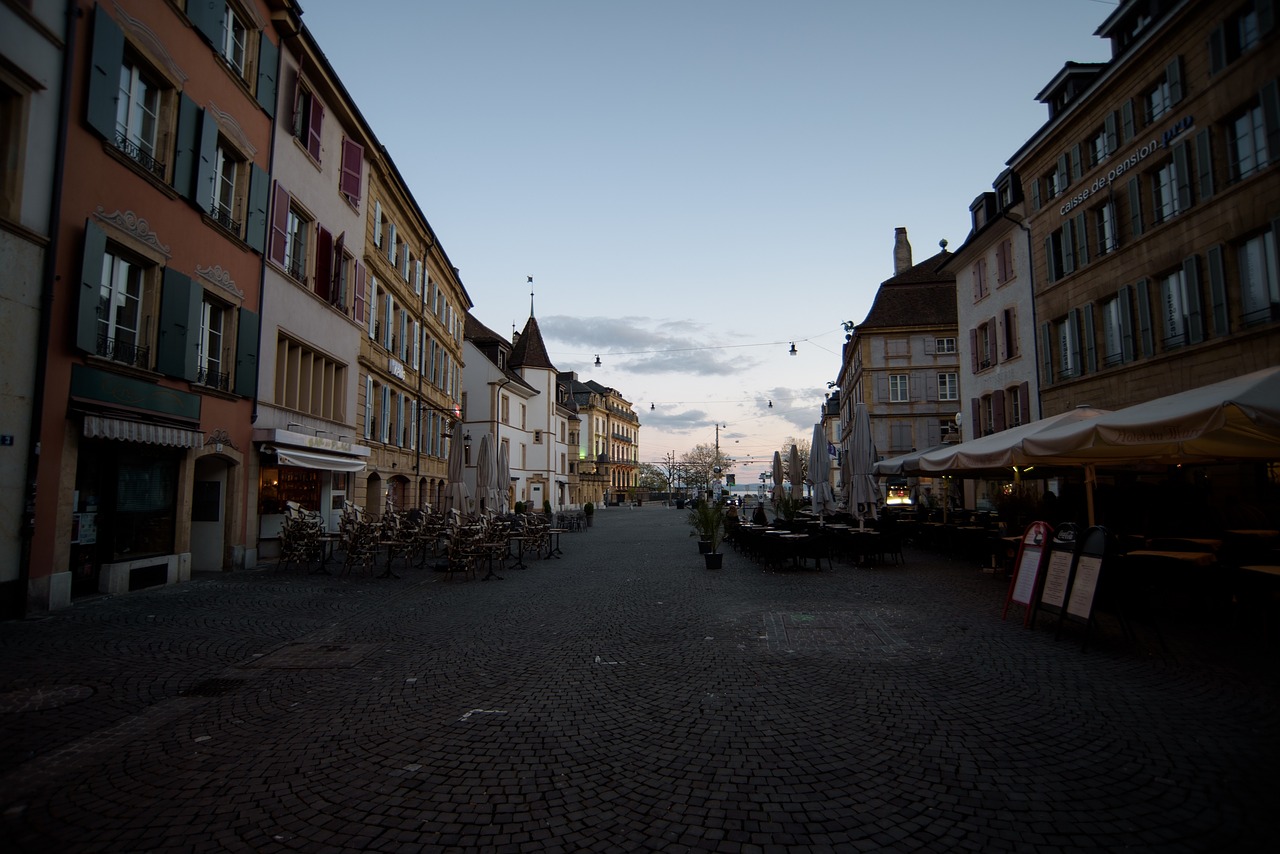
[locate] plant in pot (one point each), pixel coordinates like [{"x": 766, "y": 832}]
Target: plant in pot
[
  {"x": 707, "y": 520},
  {"x": 786, "y": 507},
  {"x": 589, "y": 511}
]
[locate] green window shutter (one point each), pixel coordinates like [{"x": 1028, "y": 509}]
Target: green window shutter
[
  {"x": 1145, "y": 333},
  {"x": 1182, "y": 174},
  {"x": 205, "y": 176},
  {"x": 1064, "y": 172},
  {"x": 1204, "y": 162},
  {"x": 1173, "y": 74},
  {"x": 1068, "y": 247},
  {"x": 1075, "y": 162},
  {"x": 1126, "y": 323},
  {"x": 1090, "y": 347},
  {"x": 104, "y": 74},
  {"x": 1266, "y": 16},
  {"x": 1046, "y": 353},
  {"x": 1109, "y": 127},
  {"x": 1217, "y": 49},
  {"x": 179, "y": 329},
  {"x": 1082, "y": 238},
  {"x": 95, "y": 247},
  {"x": 1218, "y": 293},
  {"x": 247, "y": 330},
  {"x": 1073, "y": 340},
  {"x": 206, "y": 15},
  {"x": 1270, "y": 97},
  {"x": 1048, "y": 259},
  {"x": 268, "y": 68},
  {"x": 1135, "y": 206},
  {"x": 186, "y": 149},
  {"x": 1035, "y": 194},
  {"x": 1127, "y": 127},
  {"x": 1195, "y": 313},
  {"x": 255, "y": 230}
]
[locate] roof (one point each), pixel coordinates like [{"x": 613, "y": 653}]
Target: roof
[
  {"x": 922, "y": 295},
  {"x": 529, "y": 350},
  {"x": 490, "y": 344}
]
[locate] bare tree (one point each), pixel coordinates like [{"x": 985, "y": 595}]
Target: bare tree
[
  {"x": 802, "y": 445},
  {"x": 700, "y": 465}
]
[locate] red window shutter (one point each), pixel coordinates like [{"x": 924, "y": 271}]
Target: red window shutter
[
  {"x": 975, "y": 406},
  {"x": 1024, "y": 402},
  {"x": 279, "y": 223},
  {"x": 977, "y": 290},
  {"x": 352, "y": 162},
  {"x": 324, "y": 262},
  {"x": 974, "y": 356},
  {"x": 359, "y": 293},
  {"x": 993, "y": 342},
  {"x": 997, "y": 409},
  {"x": 336, "y": 296},
  {"x": 313, "y": 132},
  {"x": 1011, "y": 322}
]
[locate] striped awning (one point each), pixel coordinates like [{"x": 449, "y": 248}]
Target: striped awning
[{"x": 102, "y": 427}]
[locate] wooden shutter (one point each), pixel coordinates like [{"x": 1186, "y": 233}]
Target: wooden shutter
[
  {"x": 202, "y": 189},
  {"x": 1135, "y": 206},
  {"x": 1024, "y": 402},
  {"x": 279, "y": 224},
  {"x": 104, "y": 76},
  {"x": 186, "y": 149},
  {"x": 1195, "y": 312},
  {"x": 1050, "y": 267},
  {"x": 324, "y": 262},
  {"x": 1270, "y": 97},
  {"x": 1090, "y": 345},
  {"x": 268, "y": 69},
  {"x": 1218, "y": 293},
  {"x": 206, "y": 16},
  {"x": 1182, "y": 174},
  {"x": 91, "y": 260},
  {"x": 377, "y": 224},
  {"x": 997, "y": 410},
  {"x": 1073, "y": 341},
  {"x": 1204, "y": 163},
  {"x": 1046, "y": 352},
  {"x": 368, "y": 407},
  {"x": 974, "y": 358},
  {"x": 358, "y": 303},
  {"x": 352, "y": 166},
  {"x": 993, "y": 344},
  {"x": 1125, "y": 296},
  {"x": 255, "y": 222},
  {"x": 1173, "y": 75},
  {"x": 1068, "y": 244},
  {"x": 373, "y": 305},
  {"x": 1127, "y": 126},
  {"x": 1082, "y": 239},
  {"x": 1075, "y": 162},
  {"x": 975, "y": 412},
  {"x": 314, "y": 127},
  {"x": 178, "y": 332},
  {"x": 1109, "y": 128},
  {"x": 247, "y": 332},
  {"x": 384, "y": 434},
  {"x": 1035, "y": 194},
  {"x": 1217, "y": 49},
  {"x": 1145, "y": 331}
]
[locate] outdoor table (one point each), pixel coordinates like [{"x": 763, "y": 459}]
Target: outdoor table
[
  {"x": 1262, "y": 569},
  {"x": 553, "y": 542},
  {"x": 518, "y": 539},
  {"x": 1193, "y": 558},
  {"x": 328, "y": 543},
  {"x": 392, "y": 547},
  {"x": 1260, "y": 533}
]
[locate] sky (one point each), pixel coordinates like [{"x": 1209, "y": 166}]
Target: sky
[{"x": 694, "y": 185}]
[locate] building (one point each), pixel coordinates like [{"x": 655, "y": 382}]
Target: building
[
  {"x": 1154, "y": 203},
  {"x": 31, "y": 80},
  {"x": 307, "y": 447},
  {"x": 411, "y": 358},
  {"x": 152, "y": 355},
  {"x": 610, "y": 438},
  {"x": 902, "y": 361}
]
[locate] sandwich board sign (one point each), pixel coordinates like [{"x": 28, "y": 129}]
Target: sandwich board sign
[
  {"x": 1057, "y": 572},
  {"x": 1084, "y": 579},
  {"x": 1028, "y": 569}
]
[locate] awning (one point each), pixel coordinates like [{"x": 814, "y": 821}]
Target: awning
[
  {"x": 101, "y": 427},
  {"x": 313, "y": 460}
]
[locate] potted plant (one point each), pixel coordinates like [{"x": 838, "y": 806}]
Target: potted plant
[
  {"x": 707, "y": 520},
  {"x": 786, "y": 507},
  {"x": 589, "y": 511},
  {"x": 546, "y": 506},
  {"x": 519, "y": 507}
]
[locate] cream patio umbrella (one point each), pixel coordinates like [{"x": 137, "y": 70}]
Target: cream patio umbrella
[
  {"x": 795, "y": 474},
  {"x": 862, "y": 490},
  {"x": 456, "y": 494},
  {"x": 504, "y": 479},
  {"x": 778, "y": 490},
  {"x": 486, "y": 476},
  {"x": 820, "y": 474}
]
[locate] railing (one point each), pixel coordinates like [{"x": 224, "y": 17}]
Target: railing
[
  {"x": 220, "y": 380},
  {"x": 222, "y": 216},
  {"x": 126, "y": 354},
  {"x": 143, "y": 158},
  {"x": 298, "y": 269}
]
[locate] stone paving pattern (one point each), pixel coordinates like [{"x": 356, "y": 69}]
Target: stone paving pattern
[{"x": 626, "y": 698}]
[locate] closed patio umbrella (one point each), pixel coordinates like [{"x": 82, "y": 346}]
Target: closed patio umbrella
[
  {"x": 486, "y": 476},
  {"x": 862, "y": 454},
  {"x": 820, "y": 473},
  {"x": 456, "y": 494},
  {"x": 796, "y": 475},
  {"x": 777, "y": 477},
  {"x": 504, "y": 480}
]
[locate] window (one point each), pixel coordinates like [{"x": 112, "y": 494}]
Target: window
[
  {"x": 944, "y": 345},
  {"x": 1164, "y": 192},
  {"x": 1104, "y": 223},
  {"x": 1097, "y": 149},
  {"x": 1009, "y": 333},
  {"x": 524, "y": 412},
  {"x": 313, "y": 383},
  {"x": 1175, "y": 320},
  {"x": 988, "y": 415},
  {"x": 1068, "y": 346},
  {"x": 210, "y": 359},
  {"x": 1004, "y": 261},
  {"x": 898, "y": 388},
  {"x": 1239, "y": 33},
  {"x": 1158, "y": 101},
  {"x": 983, "y": 342},
  {"x": 138, "y": 118},
  {"x": 1247, "y": 143},
  {"x": 230, "y": 182},
  {"x": 1259, "y": 279},
  {"x": 1112, "y": 332},
  {"x": 505, "y": 410},
  {"x": 1015, "y": 403},
  {"x": 295, "y": 245},
  {"x": 235, "y": 38},
  {"x": 1060, "y": 251},
  {"x": 120, "y": 312},
  {"x": 949, "y": 386},
  {"x": 13, "y": 124},
  {"x": 308, "y": 118}
]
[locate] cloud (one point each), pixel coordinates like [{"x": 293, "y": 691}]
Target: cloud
[{"x": 645, "y": 345}]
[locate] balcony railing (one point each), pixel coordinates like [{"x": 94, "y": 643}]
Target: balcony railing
[
  {"x": 122, "y": 352},
  {"x": 143, "y": 158},
  {"x": 220, "y": 380},
  {"x": 222, "y": 216}
]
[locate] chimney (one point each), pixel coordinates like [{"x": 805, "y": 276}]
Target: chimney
[{"x": 901, "y": 251}]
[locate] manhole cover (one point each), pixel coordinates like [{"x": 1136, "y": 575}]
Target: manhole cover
[
  {"x": 832, "y": 631},
  {"x": 42, "y": 697},
  {"x": 306, "y": 656}
]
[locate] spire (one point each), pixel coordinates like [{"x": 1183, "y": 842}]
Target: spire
[{"x": 531, "y": 296}]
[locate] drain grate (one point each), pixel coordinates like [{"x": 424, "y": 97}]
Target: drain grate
[{"x": 212, "y": 688}]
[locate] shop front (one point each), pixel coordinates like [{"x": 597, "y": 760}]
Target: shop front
[{"x": 313, "y": 472}]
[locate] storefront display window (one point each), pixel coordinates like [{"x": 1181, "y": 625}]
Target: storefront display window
[{"x": 280, "y": 484}]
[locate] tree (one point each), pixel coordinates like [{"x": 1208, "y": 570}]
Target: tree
[
  {"x": 700, "y": 464},
  {"x": 802, "y": 445},
  {"x": 652, "y": 478}
]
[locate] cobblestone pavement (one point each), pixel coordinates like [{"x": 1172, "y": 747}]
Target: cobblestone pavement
[{"x": 625, "y": 698}]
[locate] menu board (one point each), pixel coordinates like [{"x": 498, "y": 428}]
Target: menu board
[
  {"x": 1057, "y": 577},
  {"x": 1028, "y": 574},
  {"x": 1084, "y": 586}
]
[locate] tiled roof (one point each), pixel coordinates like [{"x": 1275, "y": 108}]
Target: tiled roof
[
  {"x": 529, "y": 350},
  {"x": 922, "y": 295}
]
